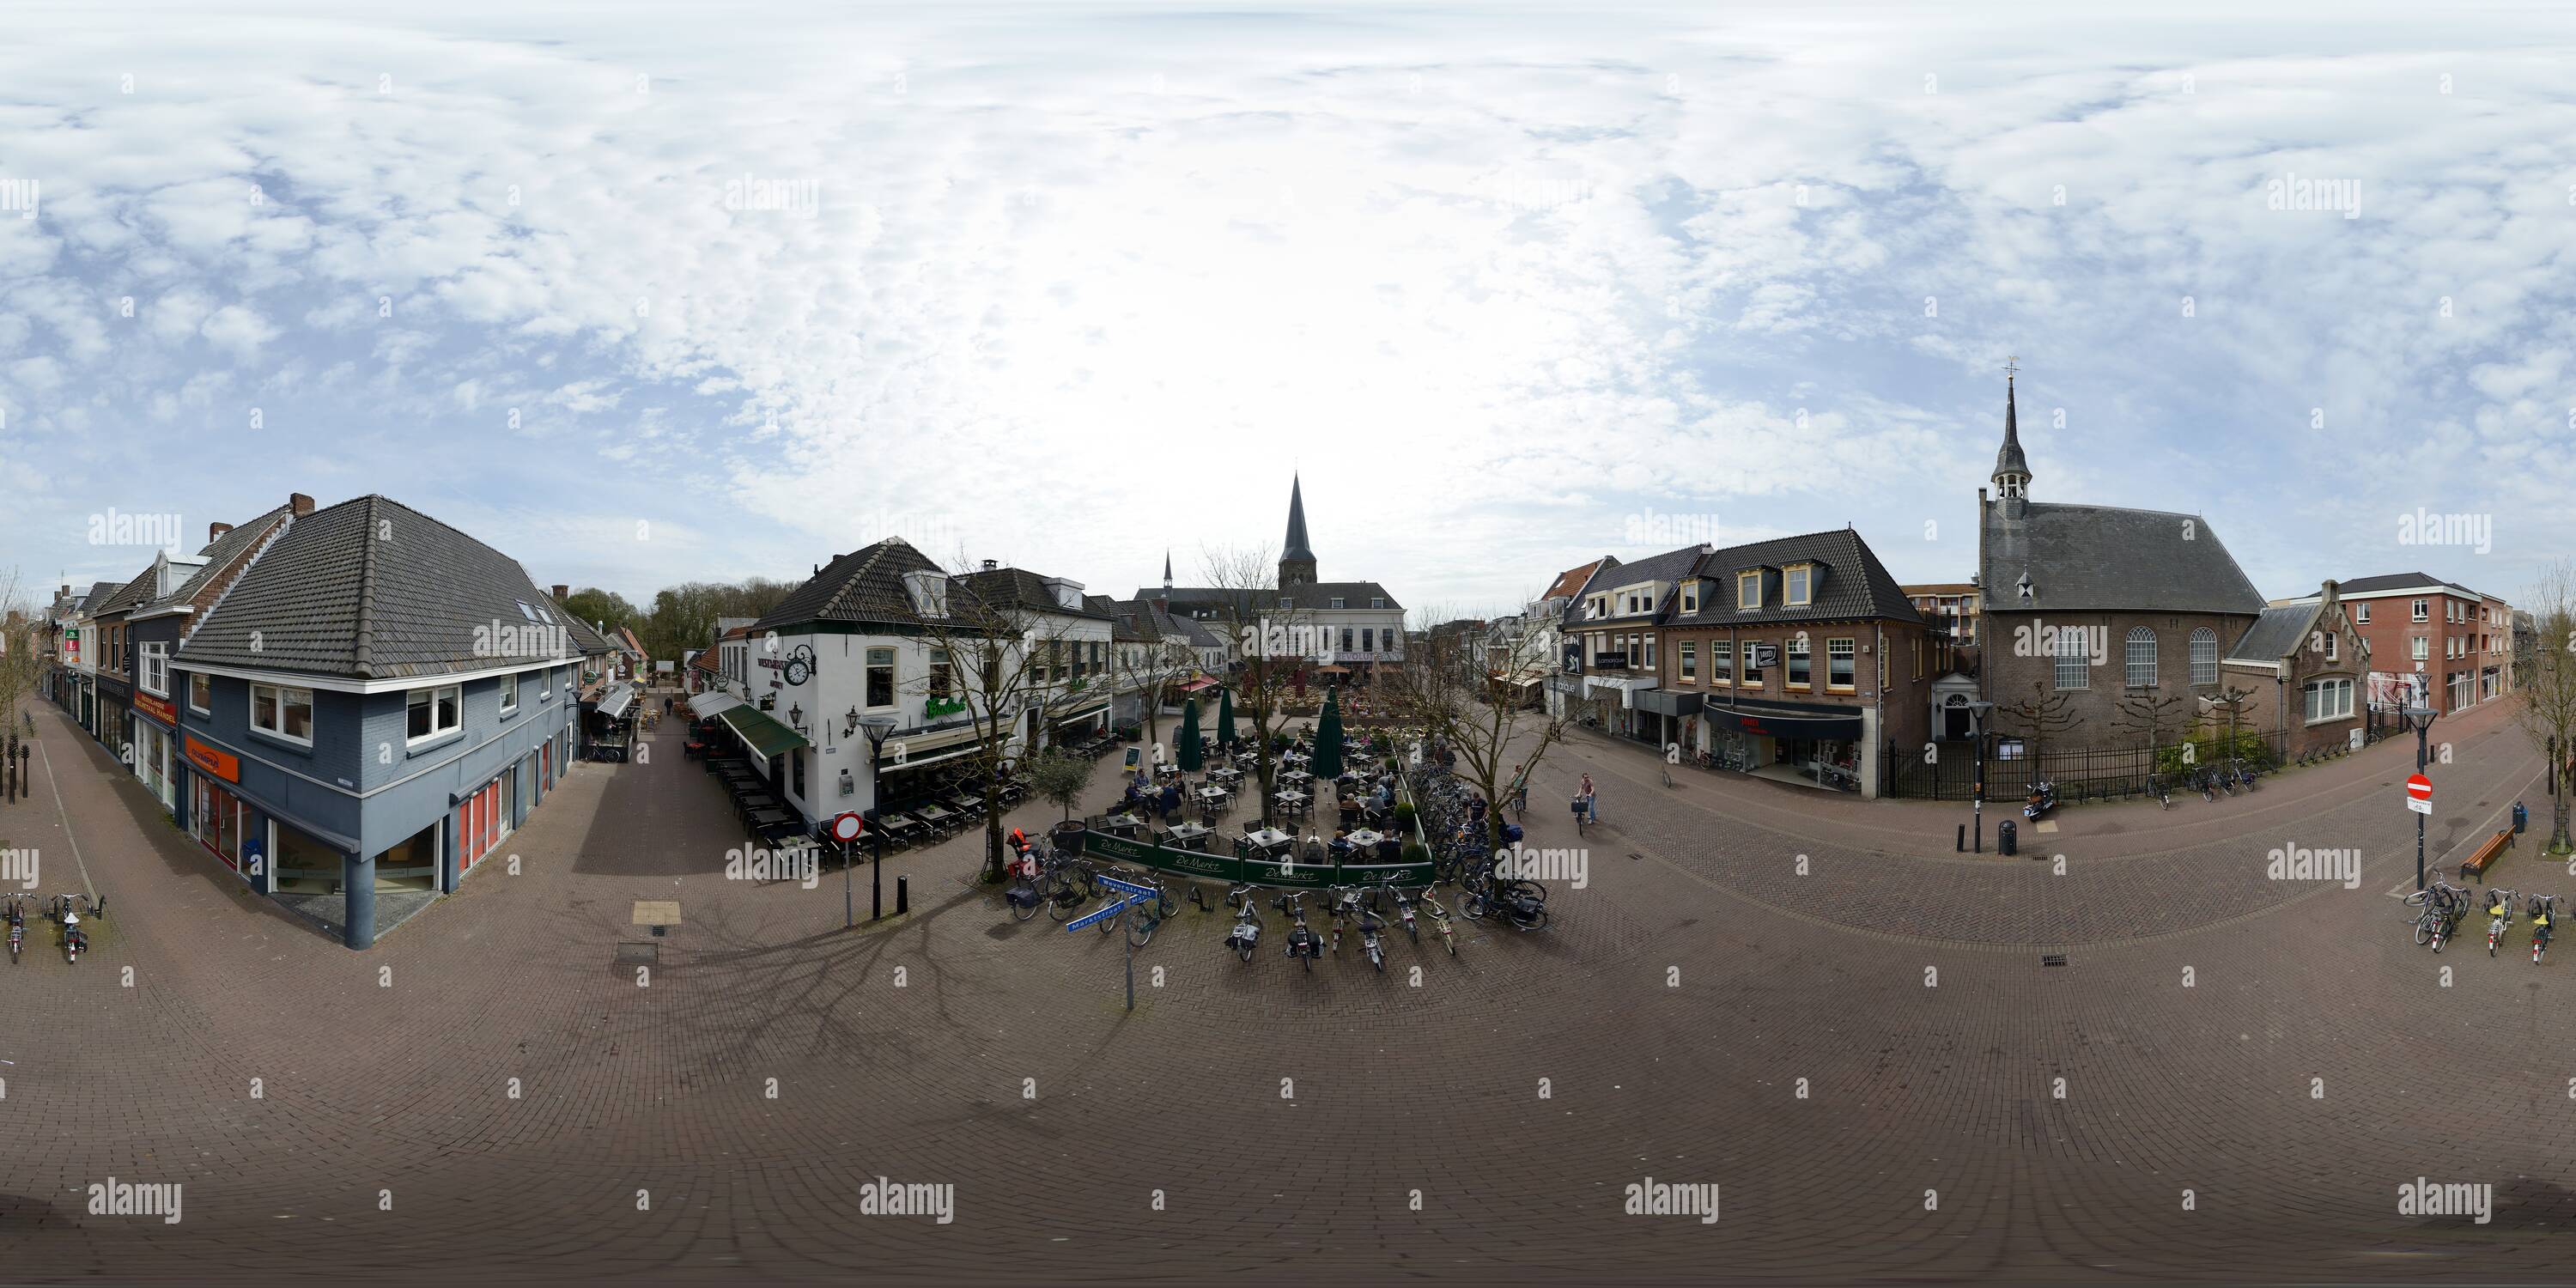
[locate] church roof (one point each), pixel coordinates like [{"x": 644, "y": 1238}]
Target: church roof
[
  {"x": 2100, "y": 558},
  {"x": 1295, "y": 547},
  {"x": 2009, "y": 460}
]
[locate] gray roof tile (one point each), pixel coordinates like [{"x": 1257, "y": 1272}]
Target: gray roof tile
[
  {"x": 2094, "y": 558},
  {"x": 1850, "y": 583}
]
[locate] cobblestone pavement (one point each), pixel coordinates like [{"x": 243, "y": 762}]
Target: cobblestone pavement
[{"x": 2229, "y": 1079}]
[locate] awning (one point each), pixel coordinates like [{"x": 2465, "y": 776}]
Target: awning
[
  {"x": 1084, "y": 714},
  {"x": 763, "y": 734},
  {"x": 1198, "y": 684},
  {"x": 708, "y": 704},
  {"x": 1783, "y": 724},
  {"x": 1668, "y": 702},
  {"x": 902, "y": 749},
  {"x": 1335, "y": 669},
  {"x": 614, "y": 703}
]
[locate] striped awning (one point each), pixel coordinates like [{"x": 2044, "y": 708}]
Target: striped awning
[{"x": 709, "y": 704}]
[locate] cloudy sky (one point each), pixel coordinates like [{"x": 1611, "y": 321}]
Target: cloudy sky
[{"x": 641, "y": 294}]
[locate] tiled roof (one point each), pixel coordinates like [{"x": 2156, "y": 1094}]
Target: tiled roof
[
  {"x": 1024, "y": 590},
  {"x": 1570, "y": 582},
  {"x": 373, "y": 589},
  {"x": 2094, "y": 558},
  {"x": 585, "y": 638},
  {"x": 2275, "y": 634},
  {"x": 127, "y": 597},
  {"x": 1850, "y": 584},
  {"x": 863, "y": 586},
  {"x": 2397, "y": 581},
  {"x": 1669, "y": 567},
  {"x": 100, "y": 593},
  {"x": 220, "y": 554}
]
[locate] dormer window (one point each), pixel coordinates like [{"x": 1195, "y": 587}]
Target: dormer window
[
  {"x": 1690, "y": 597},
  {"x": 1748, "y": 589},
  {"x": 1800, "y": 588},
  {"x": 1337, "y": 603},
  {"x": 1283, "y": 601}
]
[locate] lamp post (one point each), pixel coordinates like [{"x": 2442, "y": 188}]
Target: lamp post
[
  {"x": 2421, "y": 717},
  {"x": 876, "y": 727},
  {"x": 1977, "y": 709}
]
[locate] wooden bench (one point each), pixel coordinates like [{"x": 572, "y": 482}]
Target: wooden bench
[{"x": 2475, "y": 866}]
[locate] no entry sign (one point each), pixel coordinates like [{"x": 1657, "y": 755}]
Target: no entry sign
[
  {"x": 847, "y": 826},
  {"x": 2419, "y": 794}
]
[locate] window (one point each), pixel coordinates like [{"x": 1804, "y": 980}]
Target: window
[
  {"x": 1752, "y": 664},
  {"x": 1838, "y": 664},
  {"x": 1337, "y": 601},
  {"x": 1689, "y": 662},
  {"x": 156, "y": 668},
  {"x": 2420, "y": 613},
  {"x": 286, "y": 713},
  {"x": 1649, "y": 663},
  {"x": 1798, "y": 663},
  {"x": 1801, "y": 578},
  {"x": 1346, "y": 639},
  {"x": 2141, "y": 658},
  {"x": 1377, "y": 603},
  {"x": 1368, "y": 639},
  {"x": 938, "y": 674},
  {"x": 2423, "y": 648},
  {"x": 2204, "y": 656},
  {"x": 881, "y": 677},
  {"x": 1748, "y": 590},
  {"x": 201, "y": 693},
  {"x": 1721, "y": 662},
  {"x": 1690, "y": 597},
  {"x": 796, "y": 773},
  {"x": 2361, "y": 613},
  {"x": 2070, "y": 658},
  {"x": 434, "y": 713},
  {"x": 509, "y": 694},
  {"x": 2331, "y": 637},
  {"x": 2327, "y": 699},
  {"x": 1283, "y": 601}
]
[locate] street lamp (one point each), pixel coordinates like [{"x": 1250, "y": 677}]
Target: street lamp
[
  {"x": 876, "y": 727},
  {"x": 1977, "y": 709},
  {"x": 2420, "y": 717}
]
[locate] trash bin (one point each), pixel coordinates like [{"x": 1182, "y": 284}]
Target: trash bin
[
  {"x": 2004, "y": 833},
  {"x": 2521, "y": 818}
]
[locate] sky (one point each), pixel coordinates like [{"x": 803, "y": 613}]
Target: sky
[{"x": 641, "y": 294}]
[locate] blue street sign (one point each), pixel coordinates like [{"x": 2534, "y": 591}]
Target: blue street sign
[
  {"x": 1128, "y": 887},
  {"x": 1112, "y": 910}
]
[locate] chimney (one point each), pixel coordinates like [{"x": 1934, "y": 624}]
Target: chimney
[
  {"x": 562, "y": 592},
  {"x": 299, "y": 504},
  {"x": 991, "y": 564},
  {"x": 214, "y": 530}
]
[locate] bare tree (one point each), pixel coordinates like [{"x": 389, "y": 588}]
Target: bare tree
[
  {"x": 23, "y": 625},
  {"x": 991, "y": 668},
  {"x": 2147, "y": 715},
  {"x": 1463, "y": 697},
  {"x": 2041, "y": 716},
  {"x": 2548, "y": 686},
  {"x": 1272, "y": 639},
  {"x": 1150, "y": 669}
]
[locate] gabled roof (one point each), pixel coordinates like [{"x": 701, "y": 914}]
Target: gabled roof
[
  {"x": 1024, "y": 590},
  {"x": 99, "y": 593},
  {"x": 585, "y": 638},
  {"x": 2098, "y": 558},
  {"x": 128, "y": 596},
  {"x": 2276, "y": 634},
  {"x": 1669, "y": 567},
  {"x": 865, "y": 586},
  {"x": 1570, "y": 582},
  {"x": 1849, "y": 583},
  {"x": 373, "y": 589},
  {"x": 220, "y": 555},
  {"x": 627, "y": 641},
  {"x": 2400, "y": 581}
]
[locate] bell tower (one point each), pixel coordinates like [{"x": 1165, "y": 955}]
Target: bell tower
[{"x": 1296, "y": 560}]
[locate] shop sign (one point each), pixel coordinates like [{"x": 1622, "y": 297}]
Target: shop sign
[
  {"x": 161, "y": 709},
  {"x": 221, "y": 764}
]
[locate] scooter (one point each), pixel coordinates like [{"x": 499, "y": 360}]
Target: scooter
[
  {"x": 74, "y": 938},
  {"x": 1246, "y": 934},
  {"x": 2043, "y": 798},
  {"x": 1303, "y": 944}
]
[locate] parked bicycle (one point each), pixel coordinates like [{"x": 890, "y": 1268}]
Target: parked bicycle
[
  {"x": 67, "y": 911},
  {"x": 2439, "y": 910},
  {"x": 2544, "y": 913},
  {"x": 17, "y": 925},
  {"x": 1440, "y": 922},
  {"x": 1246, "y": 934},
  {"x": 1303, "y": 943},
  {"x": 2500, "y": 907}
]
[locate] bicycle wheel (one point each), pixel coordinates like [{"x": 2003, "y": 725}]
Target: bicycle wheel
[
  {"x": 1472, "y": 907},
  {"x": 1140, "y": 928},
  {"x": 1111, "y": 921},
  {"x": 2423, "y": 929},
  {"x": 1027, "y": 910}
]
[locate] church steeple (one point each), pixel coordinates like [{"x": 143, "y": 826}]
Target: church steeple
[
  {"x": 2012, "y": 469},
  {"x": 1296, "y": 561}
]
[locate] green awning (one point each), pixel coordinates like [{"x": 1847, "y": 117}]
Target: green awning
[{"x": 761, "y": 732}]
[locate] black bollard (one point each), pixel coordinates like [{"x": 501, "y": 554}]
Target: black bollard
[
  {"x": 902, "y": 895},
  {"x": 1961, "y": 845}
]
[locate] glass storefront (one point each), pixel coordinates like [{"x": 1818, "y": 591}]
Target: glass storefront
[
  {"x": 215, "y": 819},
  {"x": 152, "y": 754}
]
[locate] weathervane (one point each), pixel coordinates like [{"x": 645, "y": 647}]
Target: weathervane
[{"x": 2009, "y": 367}]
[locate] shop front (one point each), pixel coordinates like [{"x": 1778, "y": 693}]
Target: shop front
[
  {"x": 1672, "y": 717},
  {"x": 216, "y": 816},
  {"x": 156, "y": 735},
  {"x": 1087, "y": 718},
  {"x": 1814, "y": 746}
]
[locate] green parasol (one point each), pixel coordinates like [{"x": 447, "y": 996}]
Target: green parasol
[
  {"x": 1225, "y": 736},
  {"x": 1327, "y": 761},
  {"x": 1187, "y": 754}
]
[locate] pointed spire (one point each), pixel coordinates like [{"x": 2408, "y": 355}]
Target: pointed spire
[
  {"x": 2012, "y": 469},
  {"x": 1167, "y": 568},
  {"x": 1296, "y": 544}
]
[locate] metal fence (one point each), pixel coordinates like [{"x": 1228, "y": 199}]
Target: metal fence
[{"x": 2079, "y": 773}]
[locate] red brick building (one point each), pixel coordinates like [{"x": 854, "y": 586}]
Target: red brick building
[{"x": 2429, "y": 638}]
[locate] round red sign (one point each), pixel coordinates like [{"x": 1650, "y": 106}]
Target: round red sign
[
  {"x": 847, "y": 827},
  {"x": 2420, "y": 787}
]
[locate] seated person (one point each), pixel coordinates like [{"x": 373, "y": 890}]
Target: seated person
[
  {"x": 1390, "y": 850},
  {"x": 1341, "y": 844}
]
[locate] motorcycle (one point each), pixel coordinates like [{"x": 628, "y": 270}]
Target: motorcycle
[
  {"x": 1246, "y": 934},
  {"x": 2043, "y": 798}
]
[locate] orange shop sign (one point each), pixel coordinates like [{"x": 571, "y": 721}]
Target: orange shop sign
[
  {"x": 222, "y": 764},
  {"x": 161, "y": 709}
]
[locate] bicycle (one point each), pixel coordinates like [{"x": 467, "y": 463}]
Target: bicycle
[
  {"x": 2500, "y": 905},
  {"x": 2544, "y": 911},
  {"x": 2437, "y": 905},
  {"x": 1440, "y": 922}
]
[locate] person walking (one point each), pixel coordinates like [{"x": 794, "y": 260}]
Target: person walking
[{"x": 1518, "y": 792}]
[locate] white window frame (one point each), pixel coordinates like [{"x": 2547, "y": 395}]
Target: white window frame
[
  {"x": 1797, "y": 656},
  {"x": 435, "y": 732},
  {"x": 1845, "y": 648},
  {"x": 1798, "y": 585},
  {"x": 2331, "y": 646},
  {"x": 2071, "y": 648},
  {"x": 279, "y": 692},
  {"x": 894, "y": 677},
  {"x": 154, "y": 679},
  {"x": 2361, "y": 613},
  {"x": 509, "y": 693},
  {"x": 2131, "y": 661},
  {"x": 2204, "y": 656},
  {"x": 2423, "y": 611},
  {"x": 207, "y": 707}
]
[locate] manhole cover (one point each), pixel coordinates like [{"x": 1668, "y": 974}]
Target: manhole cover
[
  {"x": 2052, "y": 959},
  {"x": 639, "y": 954}
]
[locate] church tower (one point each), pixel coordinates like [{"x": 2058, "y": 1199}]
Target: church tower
[
  {"x": 1296, "y": 561},
  {"x": 2012, "y": 469}
]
